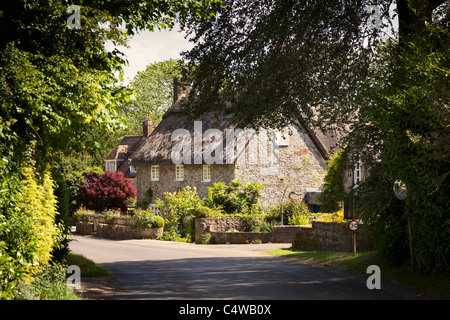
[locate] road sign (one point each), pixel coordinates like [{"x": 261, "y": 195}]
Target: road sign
[
  {"x": 400, "y": 189},
  {"x": 353, "y": 225}
]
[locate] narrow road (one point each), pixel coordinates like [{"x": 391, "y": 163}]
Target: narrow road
[{"x": 152, "y": 269}]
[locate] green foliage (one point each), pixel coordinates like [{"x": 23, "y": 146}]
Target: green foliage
[
  {"x": 146, "y": 219},
  {"x": 234, "y": 197},
  {"x": 333, "y": 191},
  {"x": 81, "y": 214},
  {"x": 172, "y": 235},
  {"x": 207, "y": 238},
  {"x": 298, "y": 219},
  {"x": 205, "y": 212},
  {"x": 111, "y": 215},
  {"x": 292, "y": 209},
  {"x": 87, "y": 267},
  {"x": 50, "y": 284},
  {"x": 147, "y": 200},
  {"x": 153, "y": 95},
  {"x": 391, "y": 93},
  {"x": 57, "y": 84},
  {"x": 409, "y": 127},
  {"x": 28, "y": 232},
  {"x": 178, "y": 207},
  {"x": 248, "y": 51},
  {"x": 257, "y": 224}
]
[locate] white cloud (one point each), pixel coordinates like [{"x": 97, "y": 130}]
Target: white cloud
[{"x": 148, "y": 47}]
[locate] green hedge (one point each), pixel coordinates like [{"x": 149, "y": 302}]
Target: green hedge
[{"x": 28, "y": 232}]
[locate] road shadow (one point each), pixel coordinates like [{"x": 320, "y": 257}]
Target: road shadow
[{"x": 241, "y": 278}]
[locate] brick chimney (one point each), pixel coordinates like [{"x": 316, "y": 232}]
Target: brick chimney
[
  {"x": 147, "y": 128},
  {"x": 180, "y": 87}
]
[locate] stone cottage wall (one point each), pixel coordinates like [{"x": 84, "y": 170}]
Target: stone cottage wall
[
  {"x": 193, "y": 175},
  {"x": 300, "y": 168}
]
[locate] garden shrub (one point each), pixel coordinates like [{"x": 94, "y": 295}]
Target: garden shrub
[
  {"x": 234, "y": 197},
  {"x": 292, "y": 210},
  {"x": 205, "y": 212},
  {"x": 297, "y": 219},
  {"x": 333, "y": 191},
  {"x": 50, "y": 284},
  {"x": 207, "y": 238},
  {"x": 178, "y": 206},
  {"x": 110, "y": 190},
  {"x": 28, "y": 232},
  {"x": 158, "y": 222}
]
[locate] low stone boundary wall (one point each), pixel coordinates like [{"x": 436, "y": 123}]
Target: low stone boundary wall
[
  {"x": 280, "y": 234},
  {"x": 117, "y": 228},
  {"x": 319, "y": 236},
  {"x": 330, "y": 236},
  {"x": 218, "y": 228}
]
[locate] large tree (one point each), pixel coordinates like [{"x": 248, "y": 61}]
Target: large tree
[
  {"x": 343, "y": 65},
  {"x": 56, "y": 83},
  {"x": 152, "y": 94}
]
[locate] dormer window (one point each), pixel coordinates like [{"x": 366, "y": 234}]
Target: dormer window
[{"x": 111, "y": 166}]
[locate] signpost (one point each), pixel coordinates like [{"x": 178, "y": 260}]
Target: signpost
[
  {"x": 353, "y": 226},
  {"x": 401, "y": 191}
]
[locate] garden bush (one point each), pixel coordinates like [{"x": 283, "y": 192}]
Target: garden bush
[
  {"x": 147, "y": 219},
  {"x": 110, "y": 190},
  {"x": 177, "y": 207},
  {"x": 205, "y": 212},
  {"x": 234, "y": 197},
  {"x": 50, "y": 284},
  {"x": 28, "y": 232},
  {"x": 294, "y": 211}
]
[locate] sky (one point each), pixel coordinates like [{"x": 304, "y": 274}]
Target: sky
[{"x": 148, "y": 47}]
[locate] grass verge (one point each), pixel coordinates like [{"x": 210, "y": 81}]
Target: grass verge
[
  {"x": 438, "y": 284},
  {"x": 88, "y": 268}
]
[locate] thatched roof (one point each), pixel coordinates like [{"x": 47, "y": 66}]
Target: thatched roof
[
  {"x": 125, "y": 149},
  {"x": 158, "y": 148},
  {"x": 122, "y": 153}
]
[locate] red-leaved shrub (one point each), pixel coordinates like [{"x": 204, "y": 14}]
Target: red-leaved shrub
[{"x": 106, "y": 191}]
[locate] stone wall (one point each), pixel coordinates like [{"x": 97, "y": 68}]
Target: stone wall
[
  {"x": 116, "y": 228},
  {"x": 319, "y": 236},
  {"x": 218, "y": 228},
  {"x": 280, "y": 234},
  {"x": 209, "y": 225},
  {"x": 300, "y": 168},
  {"x": 330, "y": 236}
]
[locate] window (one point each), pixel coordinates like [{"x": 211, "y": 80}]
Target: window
[
  {"x": 111, "y": 166},
  {"x": 132, "y": 169},
  {"x": 155, "y": 173},
  {"x": 357, "y": 172},
  {"x": 179, "y": 173},
  {"x": 206, "y": 173}
]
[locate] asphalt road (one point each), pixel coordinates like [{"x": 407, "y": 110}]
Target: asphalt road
[{"x": 152, "y": 269}]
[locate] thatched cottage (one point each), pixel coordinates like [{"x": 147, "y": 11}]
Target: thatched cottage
[
  {"x": 119, "y": 159},
  {"x": 180, "y": 153}
]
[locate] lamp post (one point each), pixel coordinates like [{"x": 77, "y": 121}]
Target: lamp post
[{"x": 400, "y": 191}]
